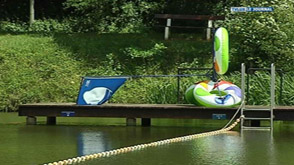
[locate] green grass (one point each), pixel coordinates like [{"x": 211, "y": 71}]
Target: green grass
[
  {"x": 37, "y": 68},
  {"x": 93, "y": 48}
]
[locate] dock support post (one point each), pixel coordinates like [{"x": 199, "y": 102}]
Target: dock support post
[
  {"x": 51, "y": 120},
  {"x": 131, "y": 121},
  {"x": 146, "y": 122},
  {"x": 31, "y": 120},
  {"x": 166, "y": 31},
  {"x": 251, "y": 123}
]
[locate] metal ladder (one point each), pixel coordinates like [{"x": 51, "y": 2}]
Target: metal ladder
[{"x": 255, "y": 113}]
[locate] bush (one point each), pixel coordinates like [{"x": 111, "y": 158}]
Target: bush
[
  {"x": 39, "y": 26},
  {"x": 262, "y": 38},
  {"x": 260, "y": 89},
  {"x": 147, "y": 91},
  {"x": 13, "y": 27},
  {"x": 121, "y": 16},
  {"x": 50, "y": 26}
]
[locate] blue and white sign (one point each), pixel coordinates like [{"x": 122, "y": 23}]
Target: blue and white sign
[
  {"x": 96, "y": 91},
  {"x": 252, "y": 9},
  {"x": 238, "y": 9},
  {"x": 219, "y": 116},
  {"x": 67, "y": 113}
]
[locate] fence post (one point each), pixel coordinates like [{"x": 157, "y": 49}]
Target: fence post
[
  {"x": 208, "y": 31},
  {"x": 281, "y": 87},
  {"x": 178, "y": 86},
  {"x": 167, "y": 32}
]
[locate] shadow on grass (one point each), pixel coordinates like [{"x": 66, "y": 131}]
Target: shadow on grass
[{"x": 92, "y": 49}]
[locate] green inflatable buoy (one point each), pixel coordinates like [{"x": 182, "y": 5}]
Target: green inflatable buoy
[{"x": 221, "y": 51}]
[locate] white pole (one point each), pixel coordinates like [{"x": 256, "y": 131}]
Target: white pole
[
  {"x": 242, "y": 91},
  {"x": 208, "y": 31},
  {"x": 273, "y": 77},
  {"x": 167, "y": 32}
]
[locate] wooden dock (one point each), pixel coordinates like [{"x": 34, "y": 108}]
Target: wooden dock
[{"x": 132, "y": 111}]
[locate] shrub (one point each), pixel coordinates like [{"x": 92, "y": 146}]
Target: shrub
[
  {"x": 111, "y": 16},
  {"x": 50, "y": 26},
  {"x": 13, "y": 27},
  {"x": 39, "y": 26},
  {"x": 262, "y": 38}
]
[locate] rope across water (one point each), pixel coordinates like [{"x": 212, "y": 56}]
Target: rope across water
[{"x": 143, "y": 146}]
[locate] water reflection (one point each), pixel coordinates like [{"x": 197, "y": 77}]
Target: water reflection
[
  {"x": 258, "y": 146},
  {"x": 219, "y": 149},
  {"x": 92, "y": 142},
  {"x": 21, "y": 144},
  {"x": 247, "y": 147}
]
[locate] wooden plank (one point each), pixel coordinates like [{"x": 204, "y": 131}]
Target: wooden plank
[
  {"x": 123, "y": 110},
  {"x": 172, "y": 111},
  {"x": 189, "y": 17}
]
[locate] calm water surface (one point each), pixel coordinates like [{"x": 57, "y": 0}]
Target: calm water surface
[{"x": 22, "y": 144}]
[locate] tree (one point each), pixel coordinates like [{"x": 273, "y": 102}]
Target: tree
[
  {"x": 263, "y": 38},
  {"x": 32, "y": 11},
  {"x": 111, "y": 16}
]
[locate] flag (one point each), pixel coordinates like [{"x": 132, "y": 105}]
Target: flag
[{"x": 96, "y": 91}]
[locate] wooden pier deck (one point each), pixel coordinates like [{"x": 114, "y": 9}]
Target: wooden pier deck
[{"x": 132, "y": 111}]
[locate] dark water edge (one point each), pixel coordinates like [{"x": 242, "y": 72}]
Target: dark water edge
[{"x": 22, "y": 144}]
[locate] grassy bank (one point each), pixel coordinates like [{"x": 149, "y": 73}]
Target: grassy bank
[{"x": 36, "y": 68}]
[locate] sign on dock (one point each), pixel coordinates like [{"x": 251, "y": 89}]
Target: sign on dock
[{"x": 219, "y": 116}]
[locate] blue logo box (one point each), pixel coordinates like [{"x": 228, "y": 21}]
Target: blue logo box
[
  {"x": 67, "y": 113},
  {"x": 252, "y": 9},
  {"x": 219, "y": 116}
]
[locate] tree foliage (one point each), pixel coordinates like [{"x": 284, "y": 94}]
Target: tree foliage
[
  {"x": 111, "y": 16},
  {"x": 18, "y": 10},
  {"x": 263, "y": 38},
  {"x": 199, "y": 7}
]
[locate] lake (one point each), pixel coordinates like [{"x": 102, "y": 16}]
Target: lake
[{"x": 72, "y": 137}]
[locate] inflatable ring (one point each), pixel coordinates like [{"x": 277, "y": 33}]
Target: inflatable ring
[
  {"x": 214, "y": 94},
  {"x": 221, "y": 51}
]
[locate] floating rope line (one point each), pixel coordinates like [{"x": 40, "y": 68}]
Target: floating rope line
[
  {"x": 123, "y": 150},
  {"x": 240, "y": 107},
  {"x": 143, "y": 146}
]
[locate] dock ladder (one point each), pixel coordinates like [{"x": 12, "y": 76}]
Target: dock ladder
[{"x": 250, "y": 114}]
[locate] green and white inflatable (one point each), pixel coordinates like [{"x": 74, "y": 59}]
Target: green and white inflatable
[
  {"x": 221, "y": 51},
  {"x": 220, "y": 93}
]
